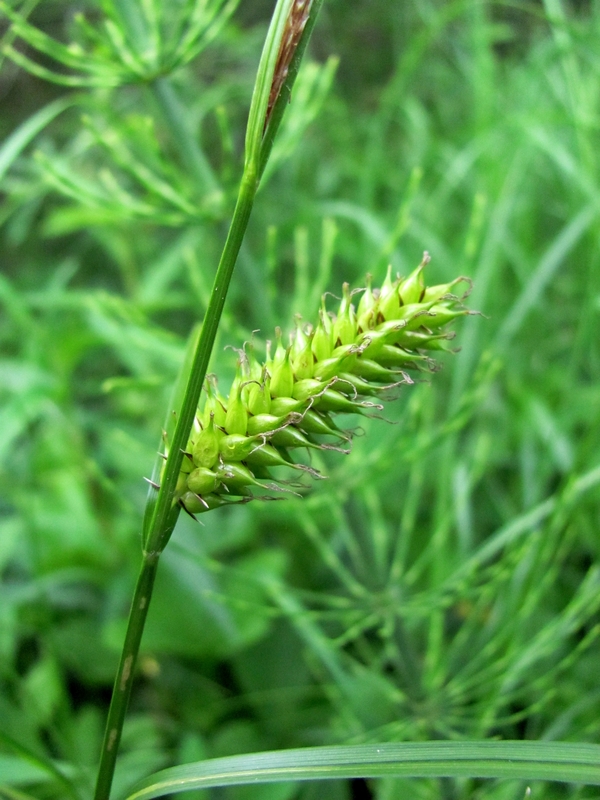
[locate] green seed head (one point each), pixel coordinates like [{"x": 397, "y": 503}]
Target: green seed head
[{"x": 287, "y": 405}]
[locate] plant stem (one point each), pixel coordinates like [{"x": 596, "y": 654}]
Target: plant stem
[
  {"x": 164, "y": 511},
  {"x": 124, "y": 678},
  {"x": 160, "y": 529},
  {"x": 165, "y": 515}
]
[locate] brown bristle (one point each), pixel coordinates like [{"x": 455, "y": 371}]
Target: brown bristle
[{"x": 294, "y": 26}]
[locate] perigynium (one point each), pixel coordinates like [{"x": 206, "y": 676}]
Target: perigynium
[{"x": 345, "y": 364}]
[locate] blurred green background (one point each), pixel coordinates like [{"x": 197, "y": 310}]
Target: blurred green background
[{"x": 444, "y": 581}]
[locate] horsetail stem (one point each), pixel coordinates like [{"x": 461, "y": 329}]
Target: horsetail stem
[{"x": 287, "y": 403}]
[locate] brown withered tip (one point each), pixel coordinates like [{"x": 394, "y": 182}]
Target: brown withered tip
[{"x": 294, "y": 27}]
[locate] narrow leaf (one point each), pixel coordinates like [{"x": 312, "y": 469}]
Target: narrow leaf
[
  {"x": 546, "y": 761},
  {"x": 25, "y": 133}
]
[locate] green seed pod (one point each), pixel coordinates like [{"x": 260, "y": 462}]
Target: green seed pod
[
  {"x": 412, "y": 289},
  {"x": 319, "y": 423},
  {"x": 251, "y": 371},
  {"x": 291, "y": 437},
  {"x": 337, "y": 402},
  {"x": 441, "y": 315},
  {"x": 372, "y": 371},
  {"x": 198, "y": 505},
  {"x": 304, "y": 363},
  {"x": 395, "y": 357},
  {"x": 262, "y": 473},
  {"x": 268, "y": 423},
  {"x": 282, "y": 381},
  {"x": 187, "y": 464},
  {"x": 369, "y": 388},
  {"x": 327, "y": 369},
  {"x": 424, "y": 340},
  {"x": 280, "y": 406},
  {"x": 236, "y": 419},
  {"x": 299, "y": 338},
  {"x": 255, "y": 369},
  {"x": 414, "y": 312},
  {"x": 259, "y": 394},
  {"x": 280, "y": 351},
  {"x": 389, "y": 306},
  {"x": 268, "y": 456},
  {"x": 194, "y": 503},
  {"x": 341, "y": 358},
  {"x": 437, "y": 292},
  {"x": 205, "y": 451},
  {"x": 238, "y": 478},
  {"x": 202, "y": 481},
  {"x": 441, "y": 345},
  {"x": 365, "y": 313},
  {"x": 304, "y": 390},
  {"x": 322, "y": 342},
  {"x": 237, "y": 447},
  {"x": 344, "y": 327},
  {"x": 388, "y": 284},
  {"x": 386, "y": 330},
  {"x": 353, "y": 385}
]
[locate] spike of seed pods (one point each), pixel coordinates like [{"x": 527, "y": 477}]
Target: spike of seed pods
[{"x": 287, "y": 405}]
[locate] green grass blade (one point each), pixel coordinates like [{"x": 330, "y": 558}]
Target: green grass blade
[
  {"x": 8, "y": 793},
  {"x": 25, "y": 133},
  {"x": 547, "y": 761},
  {"x": 523, "y": 524},
  {"x": 40, "y": 41},
  {"x": 32, "y": 766},
  {"x": 73, "y": 81},
  {"x": 553, "y": 258}
]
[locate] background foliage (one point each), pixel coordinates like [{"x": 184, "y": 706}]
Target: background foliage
[{"x": 444, "y": 582}]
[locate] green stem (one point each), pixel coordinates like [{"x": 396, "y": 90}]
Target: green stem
[
  {"x": 164, "y": 511},
  {"x": 165, "y": 514},
  {"x": 124, "y": 678},
  {"x": 161, "y": 527}
]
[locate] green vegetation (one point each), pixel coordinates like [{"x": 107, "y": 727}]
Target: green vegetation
[{"x": 443, "y": 582}]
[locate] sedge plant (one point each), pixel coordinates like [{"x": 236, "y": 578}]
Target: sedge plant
[
  {"x": 286, "y": 40},
  {"x": 230, "y": 450},
  {"x": 219, "y": 453},
  {"x": 255, "y": 440}
]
